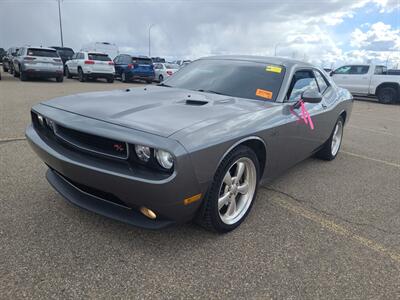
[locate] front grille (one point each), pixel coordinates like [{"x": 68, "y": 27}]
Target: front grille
[{"x": 92, "y": 143}]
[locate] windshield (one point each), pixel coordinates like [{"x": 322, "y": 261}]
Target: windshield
[
  {"x": 100, "y": 57},
  {"x": 244, "y": 79}
]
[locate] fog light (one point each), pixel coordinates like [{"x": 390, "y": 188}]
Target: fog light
[{"x": 148, "y": 213}]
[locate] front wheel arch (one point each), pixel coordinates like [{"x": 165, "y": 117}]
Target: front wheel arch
[{"x": 256, "y": 144}]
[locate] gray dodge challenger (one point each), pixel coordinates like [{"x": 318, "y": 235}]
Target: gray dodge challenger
[{"x": 194, "y": 147}]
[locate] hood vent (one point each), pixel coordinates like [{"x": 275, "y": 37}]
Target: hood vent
[{"x": 196, "y": 102}]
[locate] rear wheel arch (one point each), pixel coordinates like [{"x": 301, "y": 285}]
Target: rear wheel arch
[{"x": 394, "y": 85}]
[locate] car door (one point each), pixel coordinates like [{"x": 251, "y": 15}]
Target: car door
[
  {"x": 341, "y": 76},
  {"x": 307, "y": 139},
  {"x": 359, "y": 79},
  {"x": 117, "y": 66},
  {"x": 72, "y": 64}
]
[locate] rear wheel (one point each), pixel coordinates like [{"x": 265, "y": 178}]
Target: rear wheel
[
  {"x": 23, "y": 76},
  {"x": 123, "y": 77},
  {"x": 332, "y": 146},
  {"x": 67, "y": 73},
  {"x": 82, "y": 77},
  {"x": 387, "y": 95},
  {"x": 5, "y": 69},
  {"x": 110, "y": 79},
  {"x": 232, "y": 191},
  {"x": 60, "y": 78},
  {"x": 149, "y": 81},
  {"x": 160, "y": 78}
]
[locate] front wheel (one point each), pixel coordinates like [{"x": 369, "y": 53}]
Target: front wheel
[
  {"x": 110, "y": 79},
  {"x": 332, "y": 146},
  {"x": 123, "y": 77},
  {"x": 387, "y": 95},
  {"x": 160, "y": 78},
  {"x": 232, "y": 191}
]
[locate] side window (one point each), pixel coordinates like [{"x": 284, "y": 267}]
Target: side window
[
  {"x": 359, "y": 70},
  {"x": 323, "y": 84},
  {"x": 343, "y": 70},
  {"x": 380, "y": 70},
  {"x": 302, "y": 80},
  {"x": 127, "y": 60}
]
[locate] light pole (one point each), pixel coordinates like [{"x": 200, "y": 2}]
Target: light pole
[
  {"x": 59, "y": 17},
  {"x": 151, "y": 26}
]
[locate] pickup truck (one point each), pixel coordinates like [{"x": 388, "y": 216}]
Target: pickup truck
[{"x": 368, "y": 80}]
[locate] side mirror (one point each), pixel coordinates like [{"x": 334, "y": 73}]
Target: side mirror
[
  {"x": 311, "y": 96},
  {"x": 331, "y": 73}
]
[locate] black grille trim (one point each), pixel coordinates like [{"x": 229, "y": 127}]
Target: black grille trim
[{"x": 92, "y": 143}]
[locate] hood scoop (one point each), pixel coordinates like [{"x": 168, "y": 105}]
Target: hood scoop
[{"x": 195, "y": 102}]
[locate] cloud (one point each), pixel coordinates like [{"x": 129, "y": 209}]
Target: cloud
[{"x": 301, "y": 29}]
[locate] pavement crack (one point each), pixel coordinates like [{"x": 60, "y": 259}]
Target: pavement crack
[
  {"x": 361, "y": 224},
  {"x": 10, "y": 140}
]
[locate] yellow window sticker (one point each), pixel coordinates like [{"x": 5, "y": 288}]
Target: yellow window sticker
[
  {"x": 264, "y": 94},
  {"x": 275, "y": 69}
]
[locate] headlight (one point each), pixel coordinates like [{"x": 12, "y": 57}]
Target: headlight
[
  {"x": 143, "y": 152},
  {"x": 165, "y": 159}
]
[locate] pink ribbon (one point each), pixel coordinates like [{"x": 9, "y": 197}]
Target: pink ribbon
[{"x": 305, "y": 115}]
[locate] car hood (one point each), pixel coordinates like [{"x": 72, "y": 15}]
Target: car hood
[{"x": 155, "y": 109}]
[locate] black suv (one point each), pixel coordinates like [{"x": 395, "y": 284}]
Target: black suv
[
  {"x": 65, "y": 54},
  {"x": 8, "y": 59}
]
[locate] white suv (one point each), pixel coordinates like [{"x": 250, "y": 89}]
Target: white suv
[{"x": 92, "y": 65}]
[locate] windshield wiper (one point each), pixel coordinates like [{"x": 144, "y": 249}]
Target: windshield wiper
[
  {"x": 209, "y": 91},
  {"x": 163, "y": 84}
]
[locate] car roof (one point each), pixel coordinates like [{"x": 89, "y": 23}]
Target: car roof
[
  {"x": 262, "y": 59},
  {"x": 40, "y": 48}
]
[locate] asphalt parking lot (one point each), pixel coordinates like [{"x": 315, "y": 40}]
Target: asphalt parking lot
[{"x": 323, "y": 230}]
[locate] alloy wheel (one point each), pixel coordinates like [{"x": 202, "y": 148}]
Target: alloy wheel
[
  {"x": 337, "y": 138},
  {"x": 237, "y": 190}
]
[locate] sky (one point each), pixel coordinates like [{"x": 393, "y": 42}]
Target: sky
[{"x": 328, "y": 33}]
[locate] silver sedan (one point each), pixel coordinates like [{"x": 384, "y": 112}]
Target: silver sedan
[{"x": 164, "y": 70}]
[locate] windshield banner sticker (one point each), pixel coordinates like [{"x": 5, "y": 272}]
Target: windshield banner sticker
[
  {"x": 275, "y": 69},
  {"x": 304, "y": 116},
  {"x": 264, "y": 94}
]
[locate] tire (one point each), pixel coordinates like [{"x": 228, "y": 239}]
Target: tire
[
  {"x": 82, "y": 77},
  {"x": 387, "y": 95},
  {"x": 149, "y": 81},
  {"x": 15, "y": 73},
  {"x": 5, "y": 69},
  {"x": 215, "y": 212},
  {"x": 11, "y": 70},
  {"x": 123, "y": 77},
  {"x": 67, "y": 73},
  {"x": 160, "y": 78},
  {"x": 60, "y": 78},
  {"x": 331, "y": 147},
  {"x": 110, "y": 79},
  {"x": 22, "y": 76}
]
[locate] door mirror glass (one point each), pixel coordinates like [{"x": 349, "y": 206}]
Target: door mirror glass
[{"x": 311, "y": 96}]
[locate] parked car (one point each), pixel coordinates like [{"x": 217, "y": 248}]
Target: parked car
[
  {"x": 110, "y": 49},
  {"x": 129, "y": 68},
  {"x": 65, "y": 53},
  {"x": 165, "y": 70},
  {"x": 158, "y": 60},
  {"x": 393, "y": 72},
  {"x": 181, "y": 62},
  {"x": 8, "y": 60},
  {"x": 369, "y": 80},
  {"x": 38, "y": 62},
  {"x": 90, "y": 65},
  {"x": 2, "y": 54},
  {"x": 196, "y": 146}
]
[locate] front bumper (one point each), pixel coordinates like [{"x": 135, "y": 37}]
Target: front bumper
[{"x": 70, "y": 170}]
